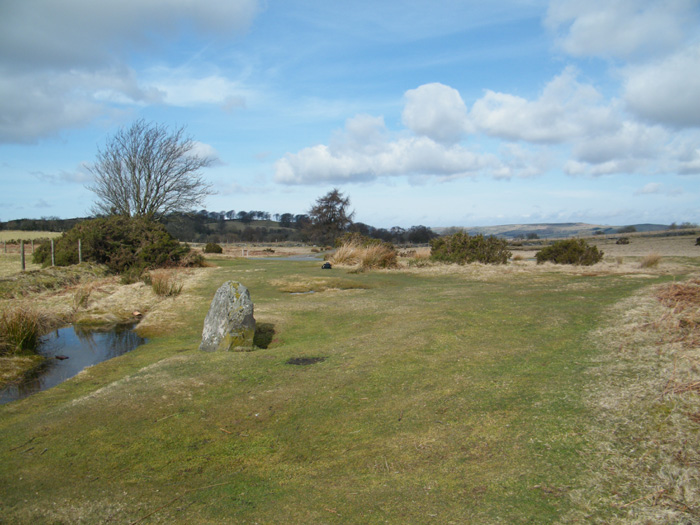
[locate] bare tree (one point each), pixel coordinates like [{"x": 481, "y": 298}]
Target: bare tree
[{"x": 146, "y": 170}]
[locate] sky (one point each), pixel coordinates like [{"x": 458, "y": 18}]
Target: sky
[{"x": 449, "y": 113}]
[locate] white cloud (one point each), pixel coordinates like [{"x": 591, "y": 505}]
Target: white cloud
[
  {"x": 207, "y": 151},
  {"x": 62, "y": 64},
  {"x": 185, "y": 88},
  {"x": 39, "y": 104},
  {"x": 77, "y": 33},
  {"x": 565, "y": 110},
  {"x": 621, "y": 28},
  {"x": 364, "y": 151},
  {"x": 668, "y": 90},
  {"x": 436, "y": 111},
  {"x": 630, "y": 140}
]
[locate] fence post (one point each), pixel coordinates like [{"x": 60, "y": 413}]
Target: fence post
[
  {"x": 32, "y": 246},
  {"x": 80, "y": 252},
  {"x": 21, "y": 251},
  {"x": 53, "y": 257},
  {"x": 4, "y": 245}
]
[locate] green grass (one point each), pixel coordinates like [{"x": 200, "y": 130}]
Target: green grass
[
  {"x": 440, "y": 400},
  {"x": 17, "y": 235}
]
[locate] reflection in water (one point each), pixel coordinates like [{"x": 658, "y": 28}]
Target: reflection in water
[{"x": 83, "y": 347}]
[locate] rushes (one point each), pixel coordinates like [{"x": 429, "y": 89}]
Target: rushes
[
  {"x": 166, "y": 283},
  {"x": 20, "y": 329},
  {"x": 376, "y": 255},
  {"x": 650, "y": 261}
]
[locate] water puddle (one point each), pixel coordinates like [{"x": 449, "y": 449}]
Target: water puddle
[{"x": 68, "y": 351}]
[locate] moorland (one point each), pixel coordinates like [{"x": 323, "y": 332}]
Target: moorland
[{"x": 427, "y": 393}]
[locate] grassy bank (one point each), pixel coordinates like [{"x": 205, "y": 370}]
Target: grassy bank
[{"x": 436, "y": 397}]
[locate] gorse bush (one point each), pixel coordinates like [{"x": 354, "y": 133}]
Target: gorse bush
[
  {"x": 462, "y": 248},
  {"x": 570, "y": 251},
  {"x": 127, "y": 246},
  {"x": 212, "y": 247}
]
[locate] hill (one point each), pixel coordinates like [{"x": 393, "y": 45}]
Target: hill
[{"x": 552, "y": 230}]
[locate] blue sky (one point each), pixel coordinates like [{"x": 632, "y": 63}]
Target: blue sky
[{"x": 451, "y": 113}]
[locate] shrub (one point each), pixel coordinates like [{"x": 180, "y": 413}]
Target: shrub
[
  {"x": 20, "y": 330},
  {"x": 462, "y": 248},
  {"x": 570, "y": 251},
  {"x": 212, "y": 247},
  {"x": 125, "y": 245},
  {"x": 623, "y": 240}
]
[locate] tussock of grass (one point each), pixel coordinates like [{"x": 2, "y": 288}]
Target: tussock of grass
[
  {"x": 365, "y": 257},
  {"x": 650, "y": 261},
  {"x": 166, "y": 283},
  {"x": 20, "y": 329}
]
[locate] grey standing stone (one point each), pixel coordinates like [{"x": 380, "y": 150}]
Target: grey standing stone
[{"x": 229, "y": 325}]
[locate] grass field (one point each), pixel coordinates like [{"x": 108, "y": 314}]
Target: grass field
[
  {"x": 19, "y": 235},
  {"x": 438, "y": 396}
]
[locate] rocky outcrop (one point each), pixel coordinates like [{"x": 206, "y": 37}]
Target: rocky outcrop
[{"x": 229, "y": 325}]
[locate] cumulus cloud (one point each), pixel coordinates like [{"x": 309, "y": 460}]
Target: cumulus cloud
[
  {"x": 365, "y": 151},
  {"x": 436, "y": 111},
  {"x": 62, "y": 64},
  {"x": 621, "y": 28},
  {"x": 566, "y": 109},
  {"x": 666, "y": 90},
  {"x": 629, "y": 140}
]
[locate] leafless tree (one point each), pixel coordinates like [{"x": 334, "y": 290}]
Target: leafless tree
[{"x": 146, "y": 170}]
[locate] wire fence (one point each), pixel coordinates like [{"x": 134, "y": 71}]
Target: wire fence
[{"x": 22, "y": 247}]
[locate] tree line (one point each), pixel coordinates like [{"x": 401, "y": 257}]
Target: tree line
[{"x": 147, "y": 171}]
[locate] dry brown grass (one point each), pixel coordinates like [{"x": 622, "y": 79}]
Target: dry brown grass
[
  {"x": 21, "y": 328},
  {"x": 651, "y": 260},
  {"x": 365, "y": 257},
  {"x": 646, "y": 462},
  {"x": 166, "y": 283}
]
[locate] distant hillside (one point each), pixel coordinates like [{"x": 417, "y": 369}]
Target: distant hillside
[{"x": 551, "y": 230}]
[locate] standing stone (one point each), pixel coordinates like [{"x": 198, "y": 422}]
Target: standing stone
[{"x": 229, "y": 325}]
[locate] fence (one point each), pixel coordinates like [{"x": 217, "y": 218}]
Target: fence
[{"x": 22, "y": 251}]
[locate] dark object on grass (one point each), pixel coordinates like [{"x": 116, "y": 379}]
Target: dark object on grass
[
  {"x": 697, "y": 241},
  {"x": 303, "y": 361},
  {"x": 326, "y": 266}
]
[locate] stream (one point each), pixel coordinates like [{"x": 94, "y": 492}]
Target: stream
[{"x": 71, "y": 349}]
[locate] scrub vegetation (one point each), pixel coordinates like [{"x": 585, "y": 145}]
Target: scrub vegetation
[{"x": 426, "y": 393}]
